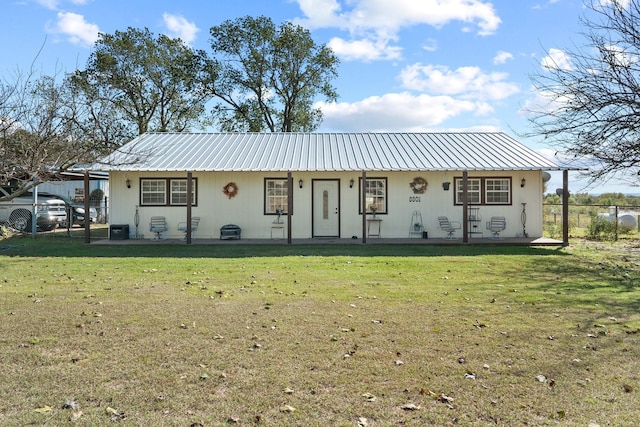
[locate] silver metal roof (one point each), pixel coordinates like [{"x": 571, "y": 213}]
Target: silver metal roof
[{"x": 277, "y": 152}]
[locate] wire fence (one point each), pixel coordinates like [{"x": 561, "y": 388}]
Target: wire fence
[{"x": 599, "y": 222}]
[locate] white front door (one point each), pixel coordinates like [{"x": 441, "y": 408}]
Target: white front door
[{"x": 326, "y": 208}]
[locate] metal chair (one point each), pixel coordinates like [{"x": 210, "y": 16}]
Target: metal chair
[
  {"x": 449, "y": 226},
  {"x": 496, "y": 225},
  {"x": 182, "y": 226},
  {"x": 157, "y": 225}
]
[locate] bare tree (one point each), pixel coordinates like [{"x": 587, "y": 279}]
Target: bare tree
[
  {"x": 36, "y": 133},
  {"x": 589, "y": 104}
]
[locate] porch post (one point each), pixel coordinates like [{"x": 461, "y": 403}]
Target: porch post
[
  {"x": 189, "y": 203},
  {"x": 465, "y": 206},
  {"x": 87, "y": 214},
  {"x": 565, "y": 207},
  {"x": 363, "y": 203},
  {"x": 289, "y": 205}
]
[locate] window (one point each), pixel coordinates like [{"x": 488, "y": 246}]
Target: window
[
  {"x": 497, "y": 191},
  {"x": 166, "y": 192},
  {"x": 376, "y": 195},
  {"x": 154, "y": 192},
  {"x": 485, "y": 191},
  {"x": 473, "y": 191},
  {"x": 276, "y": 196},
  {"x": 179, "y": 192}
]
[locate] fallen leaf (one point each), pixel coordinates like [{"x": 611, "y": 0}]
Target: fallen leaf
[
  {"x": 42, "y": 410},
  {"x": 410, "y": 407},
  {"x": 541, "y": 378},
  {"x": 399, "y": 362},
  {"x": 288, "y": 390},
  {"x": 287, "y": 408}
]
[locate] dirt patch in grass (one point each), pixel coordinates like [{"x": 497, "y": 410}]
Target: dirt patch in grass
[{"x": 539, "y": 338}]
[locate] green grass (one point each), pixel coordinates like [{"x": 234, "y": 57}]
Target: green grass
[{"x": 177, "y": 335}]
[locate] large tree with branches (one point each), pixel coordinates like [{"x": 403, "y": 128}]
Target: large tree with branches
[
  {"x": 589, "y": 103},
  {"x": 266, "y": 77}
]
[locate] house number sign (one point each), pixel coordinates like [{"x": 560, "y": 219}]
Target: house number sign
[{"x": 414, "y": 199}]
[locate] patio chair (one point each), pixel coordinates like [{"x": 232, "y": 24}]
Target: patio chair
[
  {"x": 182, "y": 226},
  {"x": 496, "y": 225},
  {"x": 157, "y": 225},
  {"x": 449, "y": 226}
]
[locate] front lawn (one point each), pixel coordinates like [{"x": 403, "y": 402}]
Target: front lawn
[{"x": 318, "y": 335}]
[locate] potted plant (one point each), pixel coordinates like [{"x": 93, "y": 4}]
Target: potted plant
[
  {"x": 417, "y": 226},
  {"x": 279, "y": 213}
]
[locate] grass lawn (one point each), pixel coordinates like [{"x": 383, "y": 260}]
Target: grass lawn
[{"x": 318, "y": 335}]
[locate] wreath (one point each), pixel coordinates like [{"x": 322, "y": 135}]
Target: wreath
[
  {"x": 230, "y": 190},
  {"x": 418, "y": 185}
]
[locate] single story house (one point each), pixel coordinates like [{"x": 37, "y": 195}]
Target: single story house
[{"x": 318, "y": 185}]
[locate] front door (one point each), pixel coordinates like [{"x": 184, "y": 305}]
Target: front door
[{"x": 326, "y": 208}]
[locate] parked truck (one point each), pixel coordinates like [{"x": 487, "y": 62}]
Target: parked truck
[{"x": 17, "y": 213}]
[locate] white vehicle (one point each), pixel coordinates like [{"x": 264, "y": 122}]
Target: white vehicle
[{"x": 17, "y": 213}]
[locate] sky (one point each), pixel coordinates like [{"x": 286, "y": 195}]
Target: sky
[{"x": 405, "y": 65}]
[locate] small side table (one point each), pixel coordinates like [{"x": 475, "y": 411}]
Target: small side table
[
  {"x": 374, "y": 226},
  {"x": 278, "y": 227}
]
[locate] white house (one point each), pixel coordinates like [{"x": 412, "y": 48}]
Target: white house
[{"x": 316, "y": 180}]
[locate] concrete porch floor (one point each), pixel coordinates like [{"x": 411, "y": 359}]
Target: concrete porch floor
[{"x": 520, "y": 241}]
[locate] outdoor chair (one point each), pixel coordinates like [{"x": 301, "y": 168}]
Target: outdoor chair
[
  {"x": 496, "y": 225},
  {"x": 157, "y": 225},
  {"x": 449, "y": 226},
  {"x": 182, "y": 226}
]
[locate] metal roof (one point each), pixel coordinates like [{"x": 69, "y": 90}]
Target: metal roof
[{"x": 277, "y": 152}]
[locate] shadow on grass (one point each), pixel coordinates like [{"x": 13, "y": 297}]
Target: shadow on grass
[{"x": 64, "y": 246}]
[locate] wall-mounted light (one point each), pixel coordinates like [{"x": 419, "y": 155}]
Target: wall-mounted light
[
  {"x": 445, "y": 185},
  {"x": 128, "y": 182},
  {"x": 351, "y": 183},
  {"x": 300, "y": 182},
  {"x": 523, "y": 182}
]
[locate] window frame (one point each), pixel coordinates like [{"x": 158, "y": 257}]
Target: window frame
[
  {"x": 384, "y": 196},
  {"x": 266, "y": 210},
  {"x": 168, "y": 193},
  {"x": 483, "y": 190}
]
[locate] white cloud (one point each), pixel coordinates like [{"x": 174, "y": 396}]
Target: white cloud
[
  {"x": 396, "y": 112},
  {"x": 375, "y": 24},
  {"x": 364, "y": 50},
  {"x": 467, "y": 82},
  {"x": 76, "y": 28},
  {"x": 393, "y": 15},
  {"x": 180, "y": 27},
  {"x": 502, "y": 57},
  {"x": 54, "y": 4},
  {"x": 557, "y": 59}
]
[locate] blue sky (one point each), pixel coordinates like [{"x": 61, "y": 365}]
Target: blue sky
[{"x": 406, "y": 65}]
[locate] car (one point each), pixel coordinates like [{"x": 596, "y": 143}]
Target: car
[
  {"x": 77, "y": 210},
  {"x": 17, "y": 213}
]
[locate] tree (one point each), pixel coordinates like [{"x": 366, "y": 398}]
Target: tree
[
  {"x": 141, "y": 83},
  {"x": 267, "y": 77},
  {"x": 36, "y": 132},
  {"x": 591, "y": 107}
]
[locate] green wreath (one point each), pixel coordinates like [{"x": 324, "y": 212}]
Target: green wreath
[{"x": 418, "y": 185}]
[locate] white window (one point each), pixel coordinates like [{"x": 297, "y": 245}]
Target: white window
[
  {"x": 497, "y": 191},
  {"x": 485, "y": 191},
  {"x": 473, "y": 191},
  {"x": 276, "y": 196},
  {"x": 154, "y": 192},
  {"x": 166, "y": 192},
  {"x": 376, "y": 195},
  {"x": 179, "y": 192}
]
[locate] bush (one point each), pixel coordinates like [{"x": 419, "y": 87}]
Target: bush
[{"x": 601, "y": 228}]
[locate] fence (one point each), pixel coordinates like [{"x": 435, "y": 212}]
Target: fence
[{"x": 593, "y": 221}]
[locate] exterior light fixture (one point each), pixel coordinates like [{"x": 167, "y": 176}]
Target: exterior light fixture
[
  {"x": 300, "y": 182},
  {"x": 351, "y": 183},
  {"x": 128, "y": 182},
  {"x": 445, "y": 185},
  {"x": 523, "y": 182}
]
